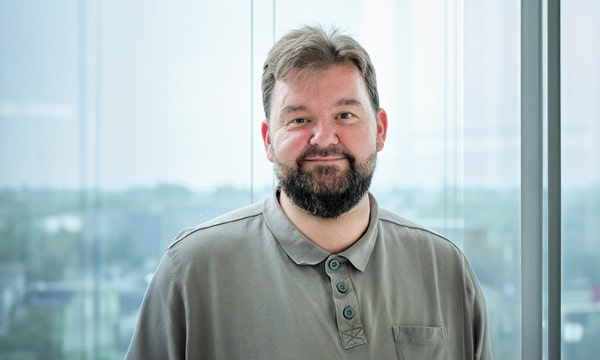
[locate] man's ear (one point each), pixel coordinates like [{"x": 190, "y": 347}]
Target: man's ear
[
  {"x": 382, "y": 124},
  {"x": 267, "y": 140}
]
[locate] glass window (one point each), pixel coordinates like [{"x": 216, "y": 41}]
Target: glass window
[{"x": 580, "y": 87}]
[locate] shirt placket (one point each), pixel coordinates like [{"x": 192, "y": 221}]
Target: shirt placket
[{"x": 345, "y": 299}]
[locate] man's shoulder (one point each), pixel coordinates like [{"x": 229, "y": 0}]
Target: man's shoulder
[
  {"x": 395, "y": 223},
  {"x": 394, "y": 219},
  {"x": 232, "y": 222}
]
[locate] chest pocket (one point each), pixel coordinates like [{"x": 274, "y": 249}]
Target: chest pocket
[{"x": 421, "y": 342}]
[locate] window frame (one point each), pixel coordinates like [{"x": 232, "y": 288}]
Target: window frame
[{"x": 541, "y": 218}]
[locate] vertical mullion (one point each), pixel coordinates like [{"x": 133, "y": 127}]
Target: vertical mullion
[
  {"x": 251, "y": 129},
  {"x": 83, "y": 154},
  {"x": 554, "y": 180},
  {"x": 531, "y": 180}
]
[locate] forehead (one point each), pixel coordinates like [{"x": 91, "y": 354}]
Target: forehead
[{"x": 344, "y": 80}]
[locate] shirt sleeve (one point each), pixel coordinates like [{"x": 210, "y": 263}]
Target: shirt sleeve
[
  {"x": 161, "y": 332},
  {"x": 481, "y": 342}
]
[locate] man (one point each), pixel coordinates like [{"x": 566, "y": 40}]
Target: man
[{"x": 318, "y": 271}]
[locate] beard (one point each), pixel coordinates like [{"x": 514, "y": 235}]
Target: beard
[{"x": 326, "y": 191}]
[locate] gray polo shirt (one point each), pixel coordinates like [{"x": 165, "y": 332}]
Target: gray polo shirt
[{"x": 250, "y": 285}]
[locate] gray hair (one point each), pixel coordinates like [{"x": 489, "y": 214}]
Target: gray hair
[{"x": 309, "y": 49}]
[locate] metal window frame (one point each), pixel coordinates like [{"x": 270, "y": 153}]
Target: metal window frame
[{"x": 540, "y": 155}]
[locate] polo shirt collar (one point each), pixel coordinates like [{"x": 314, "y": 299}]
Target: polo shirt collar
[{"x": 305, "y": 252}]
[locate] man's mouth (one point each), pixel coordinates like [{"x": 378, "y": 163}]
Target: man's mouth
[{"x": 325, "y": 159}]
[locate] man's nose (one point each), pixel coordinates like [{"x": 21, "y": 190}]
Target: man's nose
[{"x": 324, "y": 133}]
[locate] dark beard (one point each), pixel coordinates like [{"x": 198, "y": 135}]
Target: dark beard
[{"x": 325, "y": 191}]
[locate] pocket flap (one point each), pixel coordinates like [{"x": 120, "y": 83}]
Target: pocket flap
[{"x": 420, "y": 334}]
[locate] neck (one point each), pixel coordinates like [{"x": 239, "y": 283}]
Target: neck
[{"x": 334, "y": 235}]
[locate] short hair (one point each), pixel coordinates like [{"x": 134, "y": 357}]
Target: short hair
[{"x": 311, "y": 48}]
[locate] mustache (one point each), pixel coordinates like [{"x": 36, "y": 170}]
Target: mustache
[{"x": 324, "y": 152}]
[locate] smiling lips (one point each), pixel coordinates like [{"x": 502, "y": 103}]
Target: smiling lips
[
  {"x": 331, "y": 156},
  {"x": 325, "y": 159},
  {"x": 331, "y": 162},
  {"x": 324, "y": 155}
]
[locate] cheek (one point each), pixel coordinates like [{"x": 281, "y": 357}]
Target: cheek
[
  {"x": 364, "y": 142},
  {"x": 287, "y": 147}
]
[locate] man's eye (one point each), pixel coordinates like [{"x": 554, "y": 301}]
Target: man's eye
[
  {"x": 299, "y": 121},
  {"x": 345, "y": 116}
]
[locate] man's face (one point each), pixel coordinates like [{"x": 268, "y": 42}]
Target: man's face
[{"x": 323, "y": 137}]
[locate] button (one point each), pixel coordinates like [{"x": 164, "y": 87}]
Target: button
[
  {"x": 342, "y": 287},
  {"x": 349, "y": 312},
  {"x": 334, "y": 264}
]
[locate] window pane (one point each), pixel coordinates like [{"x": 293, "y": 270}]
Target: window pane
[
  {"x": 120, "y": 123},
  {"x": 491, "y": 190},
  {"x": 580, "y": 87},
  {"x": 41, "y": 168}
]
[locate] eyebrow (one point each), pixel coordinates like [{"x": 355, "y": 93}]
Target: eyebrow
[
  {"x": 298, "y": 108},
  {"x": 352, "y": 102},
  {"x": 292, "y": 108}
]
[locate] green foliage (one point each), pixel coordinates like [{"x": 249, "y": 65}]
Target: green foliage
[{"x": 35, "y": 332}]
